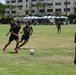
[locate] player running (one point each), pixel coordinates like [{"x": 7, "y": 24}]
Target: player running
[
  {"x": 27, "y": 31},
  {"x": 14, "y": 36},
  {"x": 12, "y": 24}
]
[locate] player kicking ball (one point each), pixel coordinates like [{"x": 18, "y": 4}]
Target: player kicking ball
[
  {"x": 13, "y": 36},
  {"x": 27, "y": 31}
]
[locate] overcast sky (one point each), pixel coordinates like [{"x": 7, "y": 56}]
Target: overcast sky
[{"x": 2, "y": 1}]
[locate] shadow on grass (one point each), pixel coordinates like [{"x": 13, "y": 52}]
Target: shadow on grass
[
  {"x": 25, "y": 48},
  {"x": 12, "y": 52}
]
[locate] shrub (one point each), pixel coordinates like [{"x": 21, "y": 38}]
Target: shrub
[{"x": 6, "y": 20}]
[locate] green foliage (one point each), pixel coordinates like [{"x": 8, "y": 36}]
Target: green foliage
[
  {"x": 72, "y": 17},
  {"x": 2, "y": 9},
  {"x": 6, "y": 20},
  {"x": 38, "y": 5}
]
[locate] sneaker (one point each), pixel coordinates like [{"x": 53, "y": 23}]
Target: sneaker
[
  {"x": 16, "y": 50},
  {"x": 3, "y": 50}
]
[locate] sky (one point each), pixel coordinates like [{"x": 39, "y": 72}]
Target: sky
[{"x": 2, "y": 1}]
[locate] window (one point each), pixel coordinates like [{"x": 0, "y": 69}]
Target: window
[
  {"x": 57, "y": 10},
  {"x": 34, "y": 0},
  {"x": 68, "y": 3},
  {"x": 58, "y": 3},
  {"x": 13, "y": 12},
  {"x": 68, "y": 9},
  {"x": 49, "y": 10},
  {"x": 33, "y": 11},
  {"x": 7, "y": 1},
  {"x": 14, "y": 1},
  {"x": 26, "y": 6},
  {"x": 41, "y": 0},
  {"x": 8, "y": 12},
  {"x": 26, "y": 0},
  {"x": 20, "y": 0},
  {"x": 42, "y": 10},
  {"x": 49, "y": 4},
  {"x": 26, "y": 12}
]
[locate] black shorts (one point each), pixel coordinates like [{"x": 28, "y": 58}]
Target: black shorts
[
  {"x": 59, "y": 27},
  {"x": 25, "y": 37},
  {"x": 75, "y": 38},
  {"x": 13, "y": 37}
]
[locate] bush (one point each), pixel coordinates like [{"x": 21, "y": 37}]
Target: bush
[
  {"x": 6, "y": 20},
  {"x": 72, "y": 18}
]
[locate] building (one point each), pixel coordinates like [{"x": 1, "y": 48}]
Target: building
[{"x": 40, "y": 7}]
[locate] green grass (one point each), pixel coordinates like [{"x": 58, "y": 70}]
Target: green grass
[{"x": 54, "y": 53}]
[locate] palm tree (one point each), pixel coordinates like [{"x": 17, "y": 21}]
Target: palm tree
[
  {"x": 36, "y": 5},
  {"x": 19, "y": 7},
  {"x": 44, "y": 5}
]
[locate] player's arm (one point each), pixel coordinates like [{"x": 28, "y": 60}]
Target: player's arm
[
  {"x": 14, "y": 33},
  {"x": 31, "y": 31}
]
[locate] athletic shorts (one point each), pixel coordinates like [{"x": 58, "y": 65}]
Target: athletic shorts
[
  {"x": 75, "y": 38},
  {"x": 59, "y": 27},
  {"x": 13, "y": 37},
  {"x": 24, "y": 37}
]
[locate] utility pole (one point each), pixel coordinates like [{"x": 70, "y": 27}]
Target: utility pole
[
  {"x": 52, "y": 7},
  {"x": 66, "y": 7},
  {"x": 74, "y": 6},
  {"x": 66, "y": 10}
]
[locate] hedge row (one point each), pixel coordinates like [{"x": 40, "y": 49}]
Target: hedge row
[{"x": 6, "y": 20}]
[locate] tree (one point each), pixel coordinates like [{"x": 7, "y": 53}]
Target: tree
[
  {"x": 19, "y": 7},
  {"x": 43, "y": 5},
  {"x": 2, "y": 9},
  {"x": 38, "y": 5},
  {"x": 72, "y": 18}
]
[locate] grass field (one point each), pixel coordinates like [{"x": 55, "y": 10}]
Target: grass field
[{"x": 54, "y": 53}]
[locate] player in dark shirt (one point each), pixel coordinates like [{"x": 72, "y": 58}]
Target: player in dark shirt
[
  {"x": 75, "y": 48},
  {"x": 58, "y": 26},
  {"x": 12, "y": 24},
  {"x": 27, "y": 31},
  {"x": 14, "y": 36}
]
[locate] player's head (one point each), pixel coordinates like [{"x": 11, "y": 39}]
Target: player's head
[
  {"x": 18, "y": 23},
  {"x": 27, "y": 22}
]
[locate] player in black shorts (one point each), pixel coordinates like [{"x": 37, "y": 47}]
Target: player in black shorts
[
  {"x": 59, "y": 26},
  {"x": 12, "y": 24},
  {"x": 14, "y": 36},
  {"x": 27, "y": 31}
]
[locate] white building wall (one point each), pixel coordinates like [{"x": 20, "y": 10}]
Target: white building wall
[{"x": 26, "y": 7}]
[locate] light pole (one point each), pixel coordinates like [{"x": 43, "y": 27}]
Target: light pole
[
  {"x": 66, "y": 10},
  {"x": 74, "y": 5},
  {"x": 52, "y": 7},
  {"x": 66, "y": 7}
]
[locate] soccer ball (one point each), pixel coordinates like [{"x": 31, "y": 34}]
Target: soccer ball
[{"x": 32, "y": 52}]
